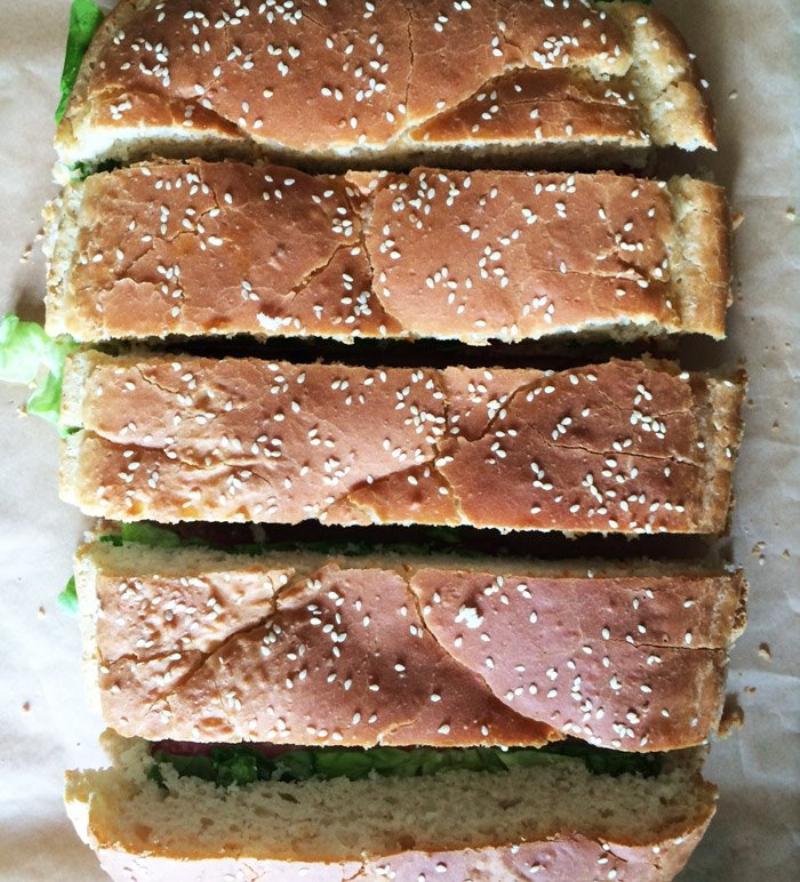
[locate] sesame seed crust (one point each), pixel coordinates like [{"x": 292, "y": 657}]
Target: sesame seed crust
[
  {"x": 200, "y": 248},
  {"x": 384, "y": 82},
  {"x": 626, "y": 446},
  {"x": 302, "y": 649}
]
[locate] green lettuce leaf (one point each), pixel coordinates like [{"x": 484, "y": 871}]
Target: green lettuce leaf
[
  {"x": 68, "y": 599},
  {"x": 81, "y": 170},
  {"x": 144, "y": 533},
  {"x": 241, "y": 764},
  {"x": 440, "y": 540},
  {"x": 25, "y": 352},
  {"x": 85, "y": 18}
]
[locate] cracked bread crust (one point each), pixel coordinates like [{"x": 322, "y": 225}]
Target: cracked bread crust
[
  {"x": 559, "y": 821},
  {"x": 198, "y": 646},
  {"x": 387, "y": 84},
  {"x": 624, "y": 446},
  {"x": 200, "y": 248}
]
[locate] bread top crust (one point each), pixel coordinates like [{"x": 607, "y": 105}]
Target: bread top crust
[
  {"x": 624, "y": 446},
  {"x": 344, "y": 80},
  {"x": 197, "y": 646},
  {"x": 201, "y": 248}
]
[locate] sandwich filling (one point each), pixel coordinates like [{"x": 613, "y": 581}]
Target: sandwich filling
[
  {"x": 240, "y": 765},
  {"x": 30, "y": 357}
]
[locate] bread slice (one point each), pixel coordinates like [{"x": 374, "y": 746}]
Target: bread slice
[
  {"x": 395, "y": 83},
  {"x": 194, "y": 645},
  {"x": 560, "y": 820},
  {"x": 624, "y": 446},
  {"x": 199, "y": 248}
]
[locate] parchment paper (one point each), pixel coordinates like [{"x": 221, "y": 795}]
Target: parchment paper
[{"x": 749, "y": 51}]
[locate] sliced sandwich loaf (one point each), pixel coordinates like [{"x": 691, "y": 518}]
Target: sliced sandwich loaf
[
  {"x": 345, "y": 84},
  {"x": 624, "y": 446},
  {"x": 195, "y": 645},
  {"x": 556, "y": 819},
  {"x": 197, "y": 248}
]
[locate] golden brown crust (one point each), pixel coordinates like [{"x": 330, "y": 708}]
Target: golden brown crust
[
  {"x": 723, "y": 429},
  {"x": 350, "y": 85},
  {"x": 540, "y": 107},
  {"x": 361, "y": 679},
  {"x": 665, "y": 79},
  {"x": 403, "y": 653},
  {"x": 223, "y": 248},
  {"x": 631, "y": 447},
  {"x": 700, "y": 254}
]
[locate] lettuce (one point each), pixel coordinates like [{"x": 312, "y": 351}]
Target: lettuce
[
  {"x": 85, "y": 18},
  {"x": 430, "y": 539},
  {"x": 81, "y": 170},
  {"x": 68, "y": 599},
  {"x": 144, "y": 533},
  {"x": 241, "y": 765},
  {"x": 25, "y": 352}
]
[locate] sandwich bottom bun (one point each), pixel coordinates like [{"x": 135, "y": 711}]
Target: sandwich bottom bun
[{"x": 551, "y": 822}]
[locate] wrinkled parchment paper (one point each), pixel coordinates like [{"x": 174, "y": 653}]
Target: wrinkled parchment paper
[{"x": 749, "y": 51}]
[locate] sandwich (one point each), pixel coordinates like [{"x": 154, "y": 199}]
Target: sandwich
[
  {"x": 342, "y": 84},
  {"x": 330, "y": 815},
  {"x": 193, "y": 249},
  {"x": 627, "y": 447},
  {"x": 281, "y": 168},
  {"x": 294, "y": 714},
  {"x": 404, "y": 650}
]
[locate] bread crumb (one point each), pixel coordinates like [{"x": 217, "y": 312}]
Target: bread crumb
[
  {"x": 737, "y": 219},
  {"x": 765, "y": 652},
  {"x": 41, "y": 612},
  {"x": 733, "y": 94},
  {"x": 732, "y": 715},
  {"x": 791, "y": 215},
  {"x": 26, "y": 706}
]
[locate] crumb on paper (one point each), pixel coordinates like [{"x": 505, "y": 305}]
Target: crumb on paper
[
  {"x": 786, "y": 554},
  {"x": 765, "y": 652},
  {"x": 41, "y": 612},
  {"x": 776, "y": 426},
  {"x": 732, "y": 715},
  {"x": 791, "y": 214},
  {"x": 737, "y": 219},
  {"x": 733, "y": 94},
  {"x": 26, "y": 707},
  {"x": 26, "y": 254},
  {"x": 750, "y": 690},
  {"x": 758, "y": 552}
]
